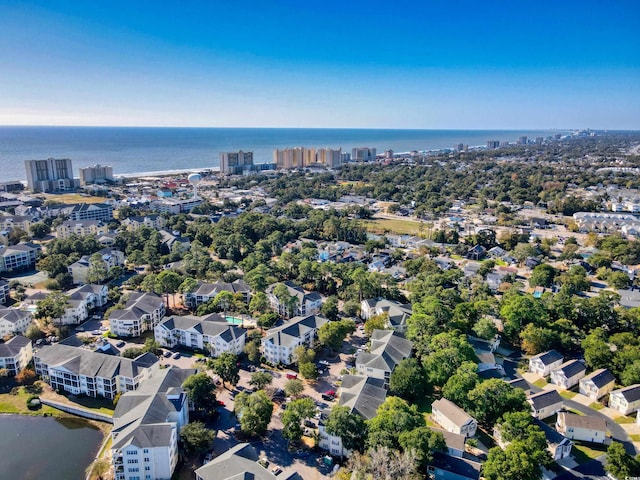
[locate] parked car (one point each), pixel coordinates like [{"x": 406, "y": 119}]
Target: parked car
[
  {"x": 276, "y": 470},
  {"x": 328, "y": 398},
  {"x": 166, "y": 354},
  {"x": 292, "y": 375},
  {"x": 309, "y": 423},
  {"x": 176, "y": 355},
  {"x": 324, "y": 362},
  {"x": 120, "y": 344},
  {"x": 331, "y": 393}
]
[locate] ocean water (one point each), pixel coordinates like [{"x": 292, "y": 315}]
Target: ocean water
[{"x": 132, "y": 150}]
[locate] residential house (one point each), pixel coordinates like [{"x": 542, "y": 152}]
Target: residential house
[
  {"x": 96, "y": 296},
  {"x": 14, "y": 321},
  {"x": 76, "y": 310},
  {"x": 625, "y": 400},
  {"x": 545, "y": 403},
  {"x": 205, "y": 291},
  {"x": 456, "y": 443},
  {"x": 155, "y": 222},
  {"x": 15, "y": 354},
  {"x": 446, "y": 467},
  {"x": 146, "y": 426},
  {"x": 363, "y": 396},
  {"x": 211, "y": 333},
  {"x": 142, "y": 312},
  {"x": 4, "y": 292},
  {"x": 558, "y": 445},
  {"x": 239, "y": 463},
  {"x": 279, "y": 343},
  {"x": 520, "y": 383},
  {"x": 18, "y": 257},
  {"x": 301, "y": 304},
  {"x": 568, "y": 374},
  {"x": 79, "y": 270},
  {"x": 478, "y": 252},
  {"x": 81, "y": 228},
  {"x": 387, "y": 350},
  {"x": 543, "y": 363},
  {"x": 585, "y": 428},
  {"x": 79, "y": 371},
  {"x": 107, "y": 239},
  {"x": 452, "y": 418},
  {"x": 597, "y": 384},
  {"x": 398, "y": 312},
  {"x": 174, "y": 240}
]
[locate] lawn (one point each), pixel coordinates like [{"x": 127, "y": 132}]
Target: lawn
[
  {"x": 623, "y": 420},
  {"x": 596, "y": 406},
  {"x": 18, "y": 404},
  {"x": 394, "y": 225},
  {"x": 68, "y": 198},
  {"x": 540, "y": 383},
  {"x": 635, "y": 437},
  {"x": 568, "y": 394},
  {"x": 584, "y": 453}
]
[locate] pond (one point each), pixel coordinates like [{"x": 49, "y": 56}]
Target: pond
[{"x": 33, "y": 448}]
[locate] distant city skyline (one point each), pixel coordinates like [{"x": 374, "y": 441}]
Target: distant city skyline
[{"x": 285, "y": 63}]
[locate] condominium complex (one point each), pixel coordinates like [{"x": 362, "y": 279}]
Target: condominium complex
[
  {"x": 300, "y": 157},
  {"x": 235, "y": 162},
  {"x": 363, "y": 154},
  {"x": 96, "y": 174},
  {"x": 50, "y": 175}
]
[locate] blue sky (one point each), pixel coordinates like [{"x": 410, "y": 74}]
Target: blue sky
[{"x": 307, "y": 63}]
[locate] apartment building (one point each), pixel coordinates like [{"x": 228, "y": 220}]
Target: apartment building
[
  {"x": 50, "y": 175},
  {"x": 142, "y": 312},
  {"x": 15, "y": 354},
  {"x": 280, "y": 342},
  {"x": 22, "y": 256}
]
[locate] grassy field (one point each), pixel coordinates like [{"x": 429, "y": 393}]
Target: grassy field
[
  {"x": 69, "y": 198},
  {"x": 583, "y": 453},
  {"x": 568, "y": 394},
  {"x": 393, "y": 225},
  {"x": 540, "y": 383},
  {"x": 596, "y": 406},
  {"x": 623, "y": 420},
  {"x": 10, "y": 403}
]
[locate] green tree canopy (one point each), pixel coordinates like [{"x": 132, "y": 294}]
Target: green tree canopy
[
  {"x": 201, "y": 390},
  {"x": 408, "y": 380},
  {"x": 196, "y": 438},
  {"x": 350, "y": 427},
  {"x": 393, "y": 417},
  {"x": 253, "y": 411},
  {"x": 259, "y": 380},
  {"x": 226, "y": 367}
]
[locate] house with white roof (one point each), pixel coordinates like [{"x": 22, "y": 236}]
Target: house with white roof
[
  {"x": 398, "y": 312},
  {"x": 80, "y": 371},
  {"x": 568, "y": 374},
  {"x": 388, "y": 348},
  {"x": 543, "y": 363},
  {"x": 279, "y": 343},
  {"x": 142, "y": 312},
  {"x": 453, "y": 418},
  {"x": 625, "y": 400},
  {"x": 597, "y": 384},
  {"x": 210, "y": 333},
  {"x": 14, "y": 321},
  {"x": 146, "y": 426},
  {"x": 305, "y": 303},
  {"x": 363, "y": 396},
  {"x": 15, "y": 354}
]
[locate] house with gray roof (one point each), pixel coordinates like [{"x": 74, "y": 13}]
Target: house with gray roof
[
  {"x": 76, "y": 310},
  {"x": 568, "y": 374},
  {"x": 388, "y": 348},
  {"x": 363, "y": 396},
  {"x": 239, "y": 463},
  {"x": 447, "y": 467},
  {"x": 543, "y": 363},
  {"x": 453, "y": 418},
  {"x": 18, "y": 257},
  {"x": 545, "y": 403},
  {"x": 142, "y": 312},
  {"x": 14, "y": 321},
  {"x": 4, "y": 291},
  {"x": 585, "y": 428},
  {"x": 558, "y": 445},
  {"x": 279, "y": 343},
  {"x": 305, "y": 303},
  {"x": 397, "y": 312},
  {"x": 597, "y": 384},
  {"x": 210, "y": 333},
  {"x": 206, "y": 291},
  {"x": 15, "y": 354},
  {"x": 80, "y": 371},
  {"x": 146, "y": 426},
  {"x": 110, "y": 258},
  {"x": 625, "y": 400}
]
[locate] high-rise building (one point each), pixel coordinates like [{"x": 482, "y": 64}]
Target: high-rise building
[
  {"x": 363, "y": 154},
  {"x": 493, "y": 143},
  {"x": 50, "y": 175},
  {"x": 522, "y": 140},
  {"x": 539, "y": 140},
  {"x": 289, "y": 157},
  {"x": 329, "y": 157},
  {"x": 235, "y": 162},
  {"x": 96, "y": 174}
]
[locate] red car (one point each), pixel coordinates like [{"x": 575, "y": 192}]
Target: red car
[
  {"x": 331, "y": 393},
  {"x": 220, "y": 403}
]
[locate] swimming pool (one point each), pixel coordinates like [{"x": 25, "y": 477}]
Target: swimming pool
[{"x": 234, "y": 320}]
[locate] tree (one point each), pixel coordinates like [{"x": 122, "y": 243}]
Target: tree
[
  {"x": 260, "y": 380},
  {"x": 330, "y": 308},
  {"x": 514, "y": 462},
  {"x": 350, "y": 427},
  {"x": 485, "y": 328},
  {"x": 267, "y": 320},
  {"x": 252, "y": 351},
  {"x": 259, "y": 303},
  {"x": 618, "y": 280},
  {"x": 26, "y": 376},
  {"x": 97, "y": 271},
  {"x": 39, "y": 230},
  {"x": 422, "y": 442},
  {"x": 293, "y": 387},
  {"x": 131, "y": 352},
  {"x": 332, "y": 334},
  {"x": 493, "y": 398},
  {"x": 292, "y": 417},
  {"x": 168, "y": 282},
  {"x": 351, "y": 308},
  {"x": 150, "y": 345},
  {"x": 226, "y": 367},
  {"x": 408, "y": 380},
  {"x": 52, "y": 306},
  {"x": 446, "y": 352},
  {"x": 542, "y": 275},
  {"x": 535, "y": 339},
  {"x": 597, "y": 351},
  {"x": 383, "y": 463},
  {"x": 461, "y": 383},
  {"x": 619, "y": 463},
  {"x": 308, "y": 370},
  {"x": 253, "y": 411},
  {"x": 376, "y": 322},
  {"x": 302, "y": 354},
  {"x": 200, "y": 389},
  {"x": 196, "y": 438},
  {"x": 393, "y": 417},
  {"x": 518, "y": 311}
]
